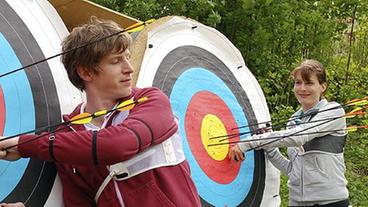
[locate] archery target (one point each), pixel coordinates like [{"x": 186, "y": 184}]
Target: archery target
[
  {"x": 211, "y": 92},
  {"x": 31, "y": 31}
]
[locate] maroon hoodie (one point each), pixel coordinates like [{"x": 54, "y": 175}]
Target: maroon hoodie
[{"x": 81, "y": 158}]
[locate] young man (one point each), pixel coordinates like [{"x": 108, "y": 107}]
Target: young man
[{"x": 126, "y": 158}]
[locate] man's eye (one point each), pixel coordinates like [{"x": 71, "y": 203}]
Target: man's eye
[{"x": 115, "y": 61}]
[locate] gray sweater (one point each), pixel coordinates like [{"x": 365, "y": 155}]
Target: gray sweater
[{"x": 315, "y": 167}]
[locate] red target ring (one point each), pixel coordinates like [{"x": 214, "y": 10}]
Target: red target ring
[{"x": 217, "y": 116}]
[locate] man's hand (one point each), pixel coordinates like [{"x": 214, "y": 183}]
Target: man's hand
[
  {"x": 236, "y": 154},
  {"x": 18, "y": 204},
  {"x": 2, "y": 155},
  {"x": 11, "y": 154}
]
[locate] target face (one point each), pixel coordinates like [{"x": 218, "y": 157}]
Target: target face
[
  {"x": 28, "y": 100},
  {"x": 202, "y": 97},
  {"x": 211, "y": 92}
]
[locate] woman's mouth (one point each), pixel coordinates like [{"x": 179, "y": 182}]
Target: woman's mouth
[{"x": 303, "y": 95}]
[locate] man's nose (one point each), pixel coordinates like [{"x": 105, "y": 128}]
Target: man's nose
[{"x": 128, "y": 68}]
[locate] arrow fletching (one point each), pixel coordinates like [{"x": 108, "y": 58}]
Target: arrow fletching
[
  {"x": 126, "y": 105},
  {"x": 355, "y": 128},
  {"x": 135, "y": 27},
  {"x": 99, "y": 113},
  {"x": 83, "y": 118},
  {"x": 138, "y": 26},
  {"x": 129, "y": 104},
  {"x": 360, "y": 103},
  {"x": 363, "y": 127},
  {"x": 143, "y": 99},
  {"x": 355, "y": 112},
  {"x": 351, "y": 129}
]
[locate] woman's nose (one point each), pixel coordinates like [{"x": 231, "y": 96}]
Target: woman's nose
[{"x": 300, "y": 87}]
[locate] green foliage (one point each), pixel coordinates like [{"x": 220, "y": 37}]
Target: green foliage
[
  {"x": 284, "y": 191},
  {"x": 111, "y": 4},
  {"x": 273, "y": 37},
  {"x": 201, "y": 10},
  {"x": 357, "y": 168}
]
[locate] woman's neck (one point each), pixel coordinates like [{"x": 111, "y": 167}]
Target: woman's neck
[{"x": 308, "y": 107}]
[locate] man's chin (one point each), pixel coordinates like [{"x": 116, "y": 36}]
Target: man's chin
[{"x": 127, "y": 92}]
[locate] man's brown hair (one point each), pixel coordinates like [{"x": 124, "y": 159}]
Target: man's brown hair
[{"x": 93, "y": 35}]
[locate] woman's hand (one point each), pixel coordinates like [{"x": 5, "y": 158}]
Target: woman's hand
[{"x": 236, "y": 154}]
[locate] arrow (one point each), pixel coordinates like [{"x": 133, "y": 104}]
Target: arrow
[
  {"x": 354, "y": 102},
  {"x": 360, "y": 102},
  {"x": 353, "y": 113},
  {"x": 83, "y": 118},
  {"x": 130, "y": 28},
  {"x": 268, "y": 143},
  {"x": 138, "y": 26},
  {"x": 347, "y": 129}
]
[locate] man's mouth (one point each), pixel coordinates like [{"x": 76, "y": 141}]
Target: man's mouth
[{"x": 126, "y": 80}]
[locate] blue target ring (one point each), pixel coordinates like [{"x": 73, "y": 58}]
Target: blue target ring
[
  {"x": 190, "y": 82},
  {"x": 19, "y": 110}
]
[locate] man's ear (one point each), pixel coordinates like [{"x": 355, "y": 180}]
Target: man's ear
[{"x": 84, "y": 74}]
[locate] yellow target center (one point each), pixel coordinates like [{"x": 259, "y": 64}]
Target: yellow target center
[{"x": 211, "y": 127}]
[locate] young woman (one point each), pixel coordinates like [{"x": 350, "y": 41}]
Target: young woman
[{"x": 315, "y": 164}]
